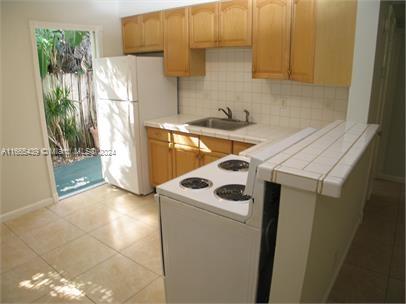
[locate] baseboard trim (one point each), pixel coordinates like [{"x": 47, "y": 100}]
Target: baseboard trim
[
  {"x": 21, "y": 211},
  {"x": 340, "y": 264}
]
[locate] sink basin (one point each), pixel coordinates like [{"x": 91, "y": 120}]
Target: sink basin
[{"x": 220, "y": 123}]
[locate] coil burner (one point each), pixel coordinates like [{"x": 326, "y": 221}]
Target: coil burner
[
  {"x": 195, "y": 183},
  {"x": 234, "y": 165},
  {"x": 232, "y": 192}
]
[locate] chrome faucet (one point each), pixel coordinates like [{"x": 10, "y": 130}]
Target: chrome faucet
[
  {"x": 228, "y": 113},
  {"x": 247, "y": 116}
]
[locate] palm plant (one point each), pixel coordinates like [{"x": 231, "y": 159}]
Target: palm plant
[
  {"x": 62, "y": 54},
  {"x": 60, "y": 117}
]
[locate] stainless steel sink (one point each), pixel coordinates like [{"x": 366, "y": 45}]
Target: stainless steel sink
[{"x": 220, "y": 123}]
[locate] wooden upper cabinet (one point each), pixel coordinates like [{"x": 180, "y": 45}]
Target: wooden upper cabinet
[
  {"x": 303, "y": 40},
  {"x": 142, "y": 33},
  {"x": 335, "y": 34},
  {"x": 153, "y": 39},
  {"x": 132, "y": 34},
  {"x": 271, "y": 38},
  {"x": 179, "y": 59},
  {"x": 203, "y": 22},
  {"x": 235, "y": 23}
]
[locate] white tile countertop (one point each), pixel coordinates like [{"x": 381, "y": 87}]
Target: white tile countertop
[
  {"x": 323, "y": 160},
  {"x": 255, "y": 133}
]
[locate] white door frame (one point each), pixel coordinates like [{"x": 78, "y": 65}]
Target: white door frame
[{"x": 96, "y": 32}]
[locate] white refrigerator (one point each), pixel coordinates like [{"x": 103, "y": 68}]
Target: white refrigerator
[{"x": 128, "y": 91}]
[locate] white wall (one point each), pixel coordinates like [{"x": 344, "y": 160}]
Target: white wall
[
  {"x": 25, "y": 179},
  {"x": 364, "y": 59}
]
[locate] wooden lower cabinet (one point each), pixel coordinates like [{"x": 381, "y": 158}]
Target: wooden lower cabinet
[
  {"x": 160, "y": 161},
  {"x": 208, "y": 157},
  {"x": 172, "y": 154},
  {"x": 185, "y": 159},
  {"x": 239, "y": 146}
]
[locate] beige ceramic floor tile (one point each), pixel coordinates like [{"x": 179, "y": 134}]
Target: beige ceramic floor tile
[
  {"x": 148, "y": 214},
  {"x": 122, "y": 232},
  {"x": 398, "y": 262},
  {"x": 31, "y": 220},
  {"x": 115, "y": 280},
  {"x": 13, "y": 253},
  {"x": 371, "y": 256},
  {"x": 387, "y": 189},
  {"x": 5, "y": 234},
  {"x": 78, "y": 256},
  {"x": 354, "y": 285},
  {"x": 71, "y": 204},
  {"x": 51, "y": 235},
  {"x": 28, "y": 282},
  {"x": 103, "y": 193},
  {"x": 395, "y": 292},
  {"x": 65, "y": 291},
  {"x": 92, "y": 217},
  {"x": 381, "y": 232},
  {"x": 65, "y": 299},
  {"x": 147, "y": 252},
  {"x": 125, "y": 202},
  {"x": 153, "y": 293}
]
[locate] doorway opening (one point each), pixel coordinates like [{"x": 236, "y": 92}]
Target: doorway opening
[
  {"x": 65, "y": 66},
  {"x": 388, "y": 93}
]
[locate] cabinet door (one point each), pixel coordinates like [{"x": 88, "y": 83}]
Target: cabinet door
[
  {"x": 176, "y": 42},
  {"x": 160, "y": 161},
  {"x": 153, "y": 39},
  {"x": 303, "y": 41},
  {"x": 271, "y": 38},
  {"x": 179, "y": 59},
  {"x": 203, "y": 22},
  {"x": 185, "y": 159},
  {"x": 239, "y": 146},
  {"x": 132, "y": 34},
  {"x": 235, "y": 23},
  {"x": 335, "y": 34},
  {"x": 208, "y": 157}
]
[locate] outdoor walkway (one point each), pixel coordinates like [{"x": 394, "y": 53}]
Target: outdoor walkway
[{"x": 78, "y": 175}]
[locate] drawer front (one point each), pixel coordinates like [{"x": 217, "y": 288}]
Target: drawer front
[
  {"x": 159, "y": 134},
  {"x": 216, "y": 144},
  {"x": 186, "y": 139}
]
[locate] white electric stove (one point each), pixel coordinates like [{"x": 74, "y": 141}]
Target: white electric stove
[{"x": 218, "y": 229}]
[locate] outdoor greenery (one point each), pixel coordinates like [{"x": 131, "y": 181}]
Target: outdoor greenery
[{"x": 65, "y": 65}]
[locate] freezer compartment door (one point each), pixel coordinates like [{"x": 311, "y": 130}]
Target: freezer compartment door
[
  {"x": 119, "y": 135},
  {"x": 115, "y": 78},
  {"x": 207, "y": 258}
]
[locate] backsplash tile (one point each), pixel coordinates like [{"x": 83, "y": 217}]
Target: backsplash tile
[{"x": 228, "y": 82}]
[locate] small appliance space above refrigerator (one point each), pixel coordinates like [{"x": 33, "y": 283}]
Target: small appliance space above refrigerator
[{"x": 130, "y": 90}]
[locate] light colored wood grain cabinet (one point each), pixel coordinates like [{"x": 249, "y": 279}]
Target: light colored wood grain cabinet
[
  {"x": 172, "y": 154},
  {"x": 185, "y": 159},
  {"x": 209, "y": 157},
  {"x": 153, "y": 38},
  {"x": 179, "y": 59},
  {"x": 160, "y": 161},
  {"x": 271, "y": 38},
  {"x": 142, "y": 33},
  {"x": 303, "y": 40},
  {"x": 239, "y": 146},
  {"x": 203, "y": 23},
  {"x": 335, "y": 35},
  {"x": 132, "y": 34},
  {"x": 235, "y": 23}
]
